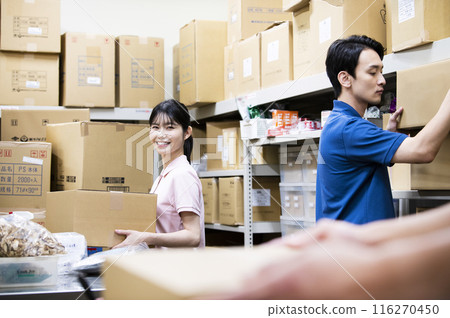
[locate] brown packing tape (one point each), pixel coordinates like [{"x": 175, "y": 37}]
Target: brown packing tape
[
  {"x": 116, "y": 201},
  {"x": 84, "y": 129}
]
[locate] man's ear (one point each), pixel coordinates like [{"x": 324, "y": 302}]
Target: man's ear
[
  {"x": 344, "y": 79},
  {"x": 188, "y": 133}
]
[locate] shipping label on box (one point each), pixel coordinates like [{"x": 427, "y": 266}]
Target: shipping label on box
[
  {"x": 24, "y": 175},
  {"x": 101, "y": 156},
  {"x": 30, "y": 124},
  {"x": 29, "y": 79},
  {"x": 30, "y": 26},
  {"x": 202, "y": 54},
  {"x": 87, "y": 70},
  {"x": 139, "y": 71},
  {"x": 96, "y": 214}
]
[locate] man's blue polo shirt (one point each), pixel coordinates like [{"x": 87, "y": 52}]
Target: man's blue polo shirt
[{"x": 352, "y": 178}]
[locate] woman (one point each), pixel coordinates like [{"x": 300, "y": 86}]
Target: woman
[{"x": 179, "y": 210}]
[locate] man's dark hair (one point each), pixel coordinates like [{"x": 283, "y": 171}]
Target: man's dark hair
[{"x": 343, "y": 55}]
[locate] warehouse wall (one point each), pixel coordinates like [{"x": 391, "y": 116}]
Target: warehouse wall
[{"x": 156, "y": 18}]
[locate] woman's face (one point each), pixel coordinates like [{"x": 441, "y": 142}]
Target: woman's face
[{"x": 167, "y": 137}]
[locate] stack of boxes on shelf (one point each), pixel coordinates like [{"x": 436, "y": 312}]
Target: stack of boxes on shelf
[
  {"x": 223, "y": 197},
  {"x": 100, "y": 172},
  {"x": 298, "y": 171}
]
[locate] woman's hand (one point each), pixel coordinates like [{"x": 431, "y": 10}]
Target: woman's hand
[{"x": 132, "y": 237}]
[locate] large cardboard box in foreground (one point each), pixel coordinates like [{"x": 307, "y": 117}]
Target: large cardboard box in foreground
[
  {"x": 248, "y": 17},
  {"x": 429, "y": 176},
  {"x": 30, "y": 124},
  {"x": 24, "y": 175},
  {"x": 276, "y": 55},
  {"x": 96, "y": 214},
  {"x": 265, "y": 200},
  {"x": 87, "y": 73},
  {"x": 210, "y": 190},
  {"x": 29, "y": 79},
  {"x": 101, "y": 156},
  {"x": 30, "y": 26},
  {"x": 156, "y": 274},
  {"x": 331, "y": 20},
  {"x": 201, "y": 61},
  {"x": 139, "y": 71},
  {"x": 417, "y": 22},
  {"x": 420, "y": 91}
]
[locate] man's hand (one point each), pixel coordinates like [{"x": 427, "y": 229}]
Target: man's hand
[{"x": 392, "y": 124}]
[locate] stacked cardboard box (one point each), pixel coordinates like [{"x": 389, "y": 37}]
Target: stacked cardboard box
[
  {"x": 265, "y": 200},
  {"x": 30, "y": 124},
  {"x": 176, "y": 71},
  {"x": 101, "y": 156},
  {"x": 210, "y": 190},
  {"x": 201, "y": 62},
  {"x": 87, "y": 70},
  {"x": 24, "y": 175},
  {"x": 139, "y": 71},
  {"x": 28, "y": 30}
]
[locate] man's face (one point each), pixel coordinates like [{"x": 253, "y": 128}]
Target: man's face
[{"x": 367, "y": 85}]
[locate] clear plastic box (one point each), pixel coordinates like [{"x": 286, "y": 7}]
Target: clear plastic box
[
  {"x": 298, "y": 201},
  {"x": 28, "y": 271},
  {"x": 291, "y": 225},
  {"x": 297, "y": 166}
]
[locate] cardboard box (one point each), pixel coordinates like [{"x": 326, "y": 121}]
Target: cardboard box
[
  {"x": 30, "y": 124},
  {"x": 210, "y": 189},
  {"x": 230, "y": 71},
  {"x": 430, "y": 176},
  {"x": 215, "y": 142},
  {"x": 96, "y": 214},
  {"x": 139, "y": 71},
  {"x": 294, "y": 5},
  {"x": 233, "y": 149},
  {"x": 30, "y": 26},
  {"x": 24, "y": 175},
  {"x": 133, "y": 278},
  {"x": 276, "y": 55},
  {"x": 201, "y": 62},
  {"x": 249, "y": 65},
  {"x": 302, "y": 42},
  {"x": 248, "y": 17},
  {"x": 231, "y": 201},
  {"x": 331, "y": 20},
  {"x": 417, "y": 22},
  {"x": 29, "y": 79},
  {"x": 265, "y": 200},
  {"x": 420, "y": 91},
  {"x": 199, "y": 149},
  {"x": 176, "y": 71},
  {"x": 101, "y": 156},
  {"x": 87, "y": 70}
]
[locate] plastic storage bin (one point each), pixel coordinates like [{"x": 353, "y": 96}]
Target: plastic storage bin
[
  {"x": 297, "y": 166},
  {"x": 298, "y": 201},
  {"x": 291, "y": 225},
  {"x": 28, "y": 271}
]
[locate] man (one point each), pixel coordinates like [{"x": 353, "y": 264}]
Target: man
[{"x": 352, "y": 178}]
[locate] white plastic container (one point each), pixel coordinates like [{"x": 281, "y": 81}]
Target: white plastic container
[
  {"x": 291, "y": 226},
  {"x": 298, "y": 201},
  {"x": 290, "y": 171},
  {"x": 28, "y": 271}
]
